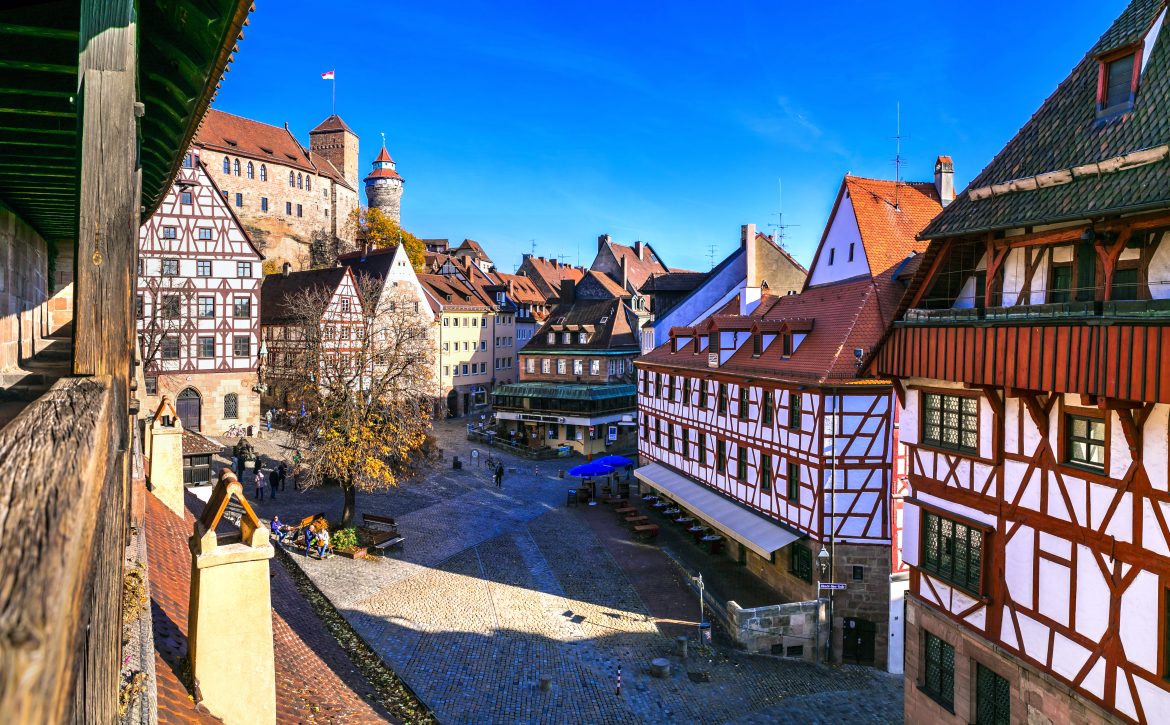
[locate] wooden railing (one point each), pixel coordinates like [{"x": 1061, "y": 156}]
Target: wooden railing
[{"x": 62, "y": 524}]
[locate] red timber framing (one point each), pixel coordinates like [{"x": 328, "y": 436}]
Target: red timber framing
[
  {"x": 864, "y": 465},
  {"x": 1075, "y": 559}
]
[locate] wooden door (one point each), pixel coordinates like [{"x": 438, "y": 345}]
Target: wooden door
[
  {"x": 189, "y": 407},
  {"x": 857, "y": 641}
]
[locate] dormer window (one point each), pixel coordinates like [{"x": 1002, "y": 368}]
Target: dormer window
[
  {"x": 552, "y": 338},
  {"x": 713, "y": 342},
  {"x": 1117, "y": 84},
  {"x": 757, "y": 344},
  {"x": 786, "y": 350},
  {"x": 582, "y": 337}
]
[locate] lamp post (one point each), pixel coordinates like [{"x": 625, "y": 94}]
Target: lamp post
[{"x": 825, "y": 565}]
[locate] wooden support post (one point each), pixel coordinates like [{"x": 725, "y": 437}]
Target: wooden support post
[
  {"x": 995, "y": 256},
  {"x": 1109, "y": 254},
  {"x": 107, "y": 238}
]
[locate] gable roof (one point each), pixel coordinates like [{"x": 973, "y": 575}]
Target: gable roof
[
  {"x": 280, "y": 294},
  {"x": 453, "y": 294},
  {"x": 550, "y": 272},
  {"x": 522, "y": 289},
  {"x": 890, "y": 215},
  {"x": 1064, "y": 140},
  {"x": 236, "y": 135},
  {"x": 638, "y": 270},
  {"x": 608, "y": 285},
  {"x": 617, "y": 332},
  {"x": 674, "y": 281}
]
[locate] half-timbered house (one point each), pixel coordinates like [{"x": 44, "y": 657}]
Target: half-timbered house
[
  {"x": 767, "y": 404},
  {"x": 1031, "y": 360},
  {"x": 294, "y": 338},
  {"x": 198, "y": 305}
]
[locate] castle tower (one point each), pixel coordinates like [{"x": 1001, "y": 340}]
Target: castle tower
[
  {"x": 384, "y": 187},
  {"x": 335, "y": 141}
]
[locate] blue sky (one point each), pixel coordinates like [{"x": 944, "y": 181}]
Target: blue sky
[{"x": 666, "y": 122}]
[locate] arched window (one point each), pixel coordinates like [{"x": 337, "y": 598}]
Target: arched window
[
  {"x": 231, "y": 406},
  {"x": 300, "y": 182},
  {"x": 237, "y": 167},
  {"x": 251, "y": 171},
  {"x": 292, "y": 180},
  {"x": 308, "y": 183},
  {"x": 227, "y": 165},
  {"x": 263, "y": 172}
]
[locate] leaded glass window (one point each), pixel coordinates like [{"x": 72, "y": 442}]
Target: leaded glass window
[
  {"x": 950, "y": 421},
  {"x": 952, "y": 551},
  {"x": 992, "y": 698},
  {"x": 940, "y": 671}
]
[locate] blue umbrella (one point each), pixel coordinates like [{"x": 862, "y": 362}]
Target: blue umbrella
[
  {"x": 591, "y": 469},
  {"x": 616, "y": 461}
]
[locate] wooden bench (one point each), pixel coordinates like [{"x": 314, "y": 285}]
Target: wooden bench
[
  {"x": 617, "y": 500},
  {"x": 626, "y": 510},
  {"x": 647, "y": 531},
  {"x": 381, "y": 530},
  {"x": 636, "y": 520},
  {"x": 295, "y": 531}
]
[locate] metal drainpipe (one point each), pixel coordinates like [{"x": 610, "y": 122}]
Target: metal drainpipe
[{"x": 835, "y": 420}]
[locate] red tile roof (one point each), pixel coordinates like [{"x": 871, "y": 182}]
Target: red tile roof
[
  {"x": 889, "y": 216},
  {"x": 236, "y": 135},
  {"x": 315, "y": 679},
  {"x": 550, "y": 272},
  {"x": 453, "y": 294},
  {"x": 638, "y": 270},
  {"x": 523, "y": 289}
]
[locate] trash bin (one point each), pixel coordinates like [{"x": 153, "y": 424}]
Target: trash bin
[
  {"x": 705, "y": 634},
  {"x": 456, "y": 464},
  {"x": 561, "y": 473}
]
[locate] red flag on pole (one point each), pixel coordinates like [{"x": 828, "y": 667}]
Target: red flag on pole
[{"x": 328, "y": 76}]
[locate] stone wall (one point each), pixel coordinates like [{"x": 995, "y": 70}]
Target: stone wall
[
  {"x": 1036, "y": 698},
  {"x": 212, "y": 388},
  {"x": 386, "y": 195},
  {"x": 780, "y": 628},
  {"x": 24, "y": 300}
]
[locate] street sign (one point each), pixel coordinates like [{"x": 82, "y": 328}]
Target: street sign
[{"x": 831, "y": 585}]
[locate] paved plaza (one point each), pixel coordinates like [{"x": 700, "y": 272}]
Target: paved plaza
[{"x": 497, "y": 587}]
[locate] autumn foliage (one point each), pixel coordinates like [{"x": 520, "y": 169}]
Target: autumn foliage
[{"x": 371, "y": 226}]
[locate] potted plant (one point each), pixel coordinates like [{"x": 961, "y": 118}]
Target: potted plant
[{"x": 345, "y": 543}]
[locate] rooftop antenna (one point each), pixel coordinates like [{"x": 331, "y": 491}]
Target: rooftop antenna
[
  {"x": 898, "y": 160},
  {"x": 779, "y": 226},
  {"x": 711, "y": 256},
  {"x": 533, "y": 243}
]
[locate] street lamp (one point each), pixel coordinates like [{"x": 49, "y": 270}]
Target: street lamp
[
  {"x": 823, "y": 561},
  {"x": 825, "y": 565}
]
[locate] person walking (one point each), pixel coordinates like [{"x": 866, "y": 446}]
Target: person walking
[
  {"x": 268, "y": 419},
  {"x": 499, "y": 475},
  {"x": 280, "y": 477},
  {"x": 261, "y": 484}
]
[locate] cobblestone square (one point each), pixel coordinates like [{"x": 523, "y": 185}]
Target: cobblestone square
[{"x": 497, "y": 587}]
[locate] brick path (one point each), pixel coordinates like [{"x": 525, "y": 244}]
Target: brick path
[{"x": 497, "y": 587}]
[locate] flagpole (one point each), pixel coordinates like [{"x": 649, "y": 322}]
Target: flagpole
[{"x": 334, "y": 79}]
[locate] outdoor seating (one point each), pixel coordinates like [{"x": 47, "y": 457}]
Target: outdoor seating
[
  {"x": 646, "y": 531},
  {"x": 698, "y": 531},
  {"x": 715, "y": 542},
  {"x": 636, "y": 519},
  {"x": 382, "y": 531},
  {"x": 625, "y": 510}
]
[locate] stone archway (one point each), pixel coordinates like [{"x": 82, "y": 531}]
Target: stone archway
[{"x": 452, "y": 404}]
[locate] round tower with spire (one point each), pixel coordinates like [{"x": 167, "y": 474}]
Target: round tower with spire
[{"x": 384, "y": 186}]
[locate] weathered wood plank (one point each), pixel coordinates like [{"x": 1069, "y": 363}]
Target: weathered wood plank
[{"x": 58, "y": 462}]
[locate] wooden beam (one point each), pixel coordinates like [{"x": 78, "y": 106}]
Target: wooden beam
[
  {"x": 1052, "y": 236},
  {"x": 1109, "y": 254},
  {"x": 996, "y": 254},
  {"x": 928, "y": 278}
]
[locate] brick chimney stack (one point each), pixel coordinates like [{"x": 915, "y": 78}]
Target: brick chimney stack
[
  {"x": 747, "y": 241},
  {"x": 603, "y": 240},
  {"x": 164, "y": 446},
  {"x": 568, "y": 291},
  {"x": 944, "y": 179},
  {"x": 640, "y": 250}
]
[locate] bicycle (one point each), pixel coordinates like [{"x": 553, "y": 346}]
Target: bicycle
[{"x": 236, "y": 431}]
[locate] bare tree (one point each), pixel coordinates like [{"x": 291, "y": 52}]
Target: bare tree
[
  {"x": 159, "y": 311},
  {"x": 362, "y": 373}
]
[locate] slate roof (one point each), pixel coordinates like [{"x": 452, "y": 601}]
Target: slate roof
[
  {"x": 238, "y": 136},
  {"x": 195, "y": 444},
  {"x": 1065, "y": 132},
  {"x": 280, "y": 294},
  {"x": 315, "y": 679},
  {"x": 616, "y": 333}
]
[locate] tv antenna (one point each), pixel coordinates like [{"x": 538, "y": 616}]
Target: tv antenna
[
  {"x": 779, "y": 226},
  {"x": 711, "y": 256},
  {"x": 562, "y": 257},
  {"x": 898, "y": 160},
  {"x": 533, "y": 243}
]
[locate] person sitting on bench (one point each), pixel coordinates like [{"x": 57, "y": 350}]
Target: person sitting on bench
[
  {"x": 322, "y": 542},
  {"x": 282, "y": 531}
]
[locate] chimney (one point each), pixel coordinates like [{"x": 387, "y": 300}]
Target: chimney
[
  {"x": 165, "y": 450},
  {"x": 603, "y": 240},
  {"x": 285, "y": 269},
  {"x": 568, "y": 291},
  {"x": 640, "y": 250},
  {"x": 625, "y": 274},
  {"x": 944, "y": 179},
  {"x": 232, "y": 656},
  {"x": 747, "y": 241}
]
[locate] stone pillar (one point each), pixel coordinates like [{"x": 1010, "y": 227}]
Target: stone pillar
[
  {"x": 230, "y": 620},
  {"x": 165, "y": 449}
]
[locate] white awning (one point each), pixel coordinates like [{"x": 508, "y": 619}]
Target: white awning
[{"x": 756, "y": 532}]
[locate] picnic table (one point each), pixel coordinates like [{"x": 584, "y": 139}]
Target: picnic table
[
  {"x": 625, "y": 510},
  {"x": 636, "y": 520},
  {"x": 646, "y": 531}
]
